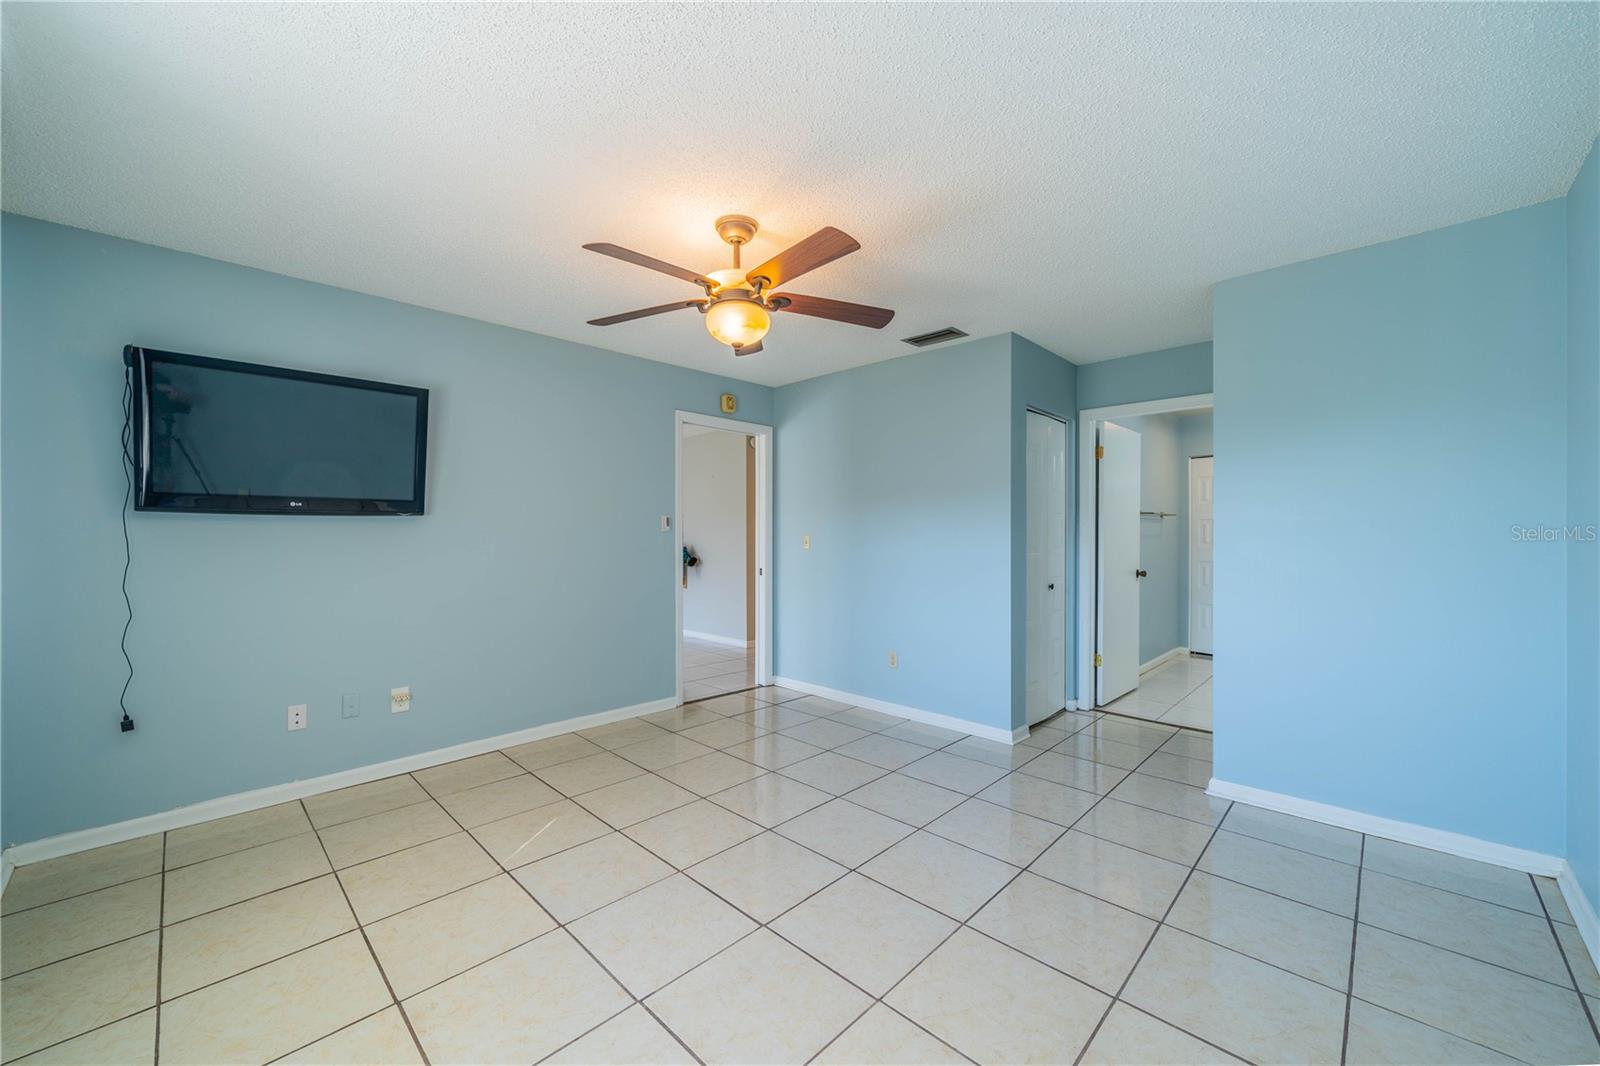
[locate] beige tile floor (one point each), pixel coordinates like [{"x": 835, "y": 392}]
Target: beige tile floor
[
  {"x": 713, "y": 669},
  {"x": 1178, "y": 692},
  {"x": 775, "y": 878}
]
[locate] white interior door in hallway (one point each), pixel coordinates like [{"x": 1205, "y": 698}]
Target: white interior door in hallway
[
  {"x": 1200, "y": 547},
  {"x": 1047, "y": 566},
  {"x": 1117, "y": 478}
]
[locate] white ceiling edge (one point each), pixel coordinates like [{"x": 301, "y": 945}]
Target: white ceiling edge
[{"x": 455, "y": 157}]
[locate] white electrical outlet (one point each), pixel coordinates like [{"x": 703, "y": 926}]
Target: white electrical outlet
[
  {"x": 400, "y": 699},
  {"x": 297, "y": 717},
  {"x": 894, "y": 660}
]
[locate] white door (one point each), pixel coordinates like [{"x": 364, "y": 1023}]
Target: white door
[
  {"x": 1200, "y": 547},
  {"x": 1117, "y": 548},
  {"x": 1047, "y": 566}
]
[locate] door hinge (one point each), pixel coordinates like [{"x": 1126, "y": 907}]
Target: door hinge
[
  {"x": 1099, "y": 451},
  {"x": 1097, "y": 659}
]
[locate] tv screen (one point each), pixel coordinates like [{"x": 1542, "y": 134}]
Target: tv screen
[{"x": 216, "y": 436}]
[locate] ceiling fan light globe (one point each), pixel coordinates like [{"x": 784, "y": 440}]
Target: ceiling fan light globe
[{"x": 737, "y": 323}]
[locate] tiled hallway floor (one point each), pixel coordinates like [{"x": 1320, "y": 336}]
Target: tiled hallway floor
[
  {"x": 1178, "y": 692},
  {"x": 713, "y": 669},
  {"x": 771, "y": 878}
]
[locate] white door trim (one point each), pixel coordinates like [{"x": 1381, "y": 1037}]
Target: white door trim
[
  {"x": 763, "y": 437},
  {"x": 1208, "y": 639},
  {"x": 1089, "y": 420},
  {"x": 1064, "y": 695}
]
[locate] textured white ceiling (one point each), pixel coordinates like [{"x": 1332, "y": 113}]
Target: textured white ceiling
[{"x": 1081, "y": 174}]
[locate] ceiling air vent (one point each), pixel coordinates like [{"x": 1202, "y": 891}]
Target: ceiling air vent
[{"x": 938, "y": 336}]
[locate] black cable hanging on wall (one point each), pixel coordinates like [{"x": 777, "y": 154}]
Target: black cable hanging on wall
[{"x": 127, "y": 545}]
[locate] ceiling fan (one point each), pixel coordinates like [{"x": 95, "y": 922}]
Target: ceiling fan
[{"x": 738, "y": 303}]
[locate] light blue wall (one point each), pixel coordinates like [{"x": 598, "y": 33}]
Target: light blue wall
[
  {"x": 538, "y": 586},
  {"x": 1184, "y": 371},
  {"x": 1583, "y": 511},
  {"x": 900, "y": 472},
  {"x": 1195, "y": 429},
  {"x": 1045, "y": 382},
  {"x": 1384, "y": 418}
]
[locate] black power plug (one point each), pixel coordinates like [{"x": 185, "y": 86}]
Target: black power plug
[{"x": 127, "y": 724}]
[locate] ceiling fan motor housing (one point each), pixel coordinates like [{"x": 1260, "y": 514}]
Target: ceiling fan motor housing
[{"x": 736, "y": 229}]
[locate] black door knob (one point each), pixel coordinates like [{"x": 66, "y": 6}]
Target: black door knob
[
  {"x": 1051, "y": 586},
  {"x": 1140, "y": 573}
]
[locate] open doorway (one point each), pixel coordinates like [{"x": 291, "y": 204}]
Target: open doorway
[
  {"x": 1145, "y": 544},
  {"x": 721, "y": 553}
]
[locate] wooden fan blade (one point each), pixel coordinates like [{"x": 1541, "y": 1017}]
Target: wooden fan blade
[
  {"x": 823, "y": 246},
  {"x": 629, "y": 316},
  {"x": 749, "y": 349},
  {"x": 627, "y": 255},
  {"x": 837, "y": 310}
]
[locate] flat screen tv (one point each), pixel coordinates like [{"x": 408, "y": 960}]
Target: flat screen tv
[{"x": 221, "y": 437}]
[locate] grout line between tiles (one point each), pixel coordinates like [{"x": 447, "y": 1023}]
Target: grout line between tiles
[
  {"x": 359, "y": 925},
  {"x": 161, "y": 938},
  {"x": 1402, "y": 1013},
  {"x": 74, "y": 1036},
  {"x": 1583, "y": 1000},
  {"x": 247, "y": 899},
  {"x": 324, "y": 1036},
  {"x": 1437, "y": 1029},
  {"x": 371, "y": 952},
  {"x": 1161, "y": 923},
  {"x": 767, "y": 924},
  {"x": 85, "y": 951},
  {"x": 1350, "y": 977},
  {"x": 1291, "y": 847},
  {"x": 560, "y": 926},
  {"x": 76, "y": 895},
  {"x": 96, "y": 1028},
  {"x": 965, "y": 923},
  {"x": 258, "y": 965},
  {"x": 881, "y": 727},
  {"x": 669, "y": 1031},
  {"x": 1451, "y": 891},
  {"x": 829, "y": 797},
  {"x": 1463, "y": 955}
]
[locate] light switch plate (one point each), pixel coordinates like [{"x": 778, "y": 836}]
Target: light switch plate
[
  {"x": 350, "y": 707},
  {"x": 805, "y": 542}
]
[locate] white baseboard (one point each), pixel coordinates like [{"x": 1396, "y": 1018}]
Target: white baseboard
[
  {"x": 916, "y": 714},
  {"x": 1533, "y": 862},
  {"x": 6, "y": 866},
  {"x": 1171, "y": 653},
  {"x": 239, "y": 802},
  {"x": 1583, "y": 910},
  {"x": 712, "y": 638}
]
